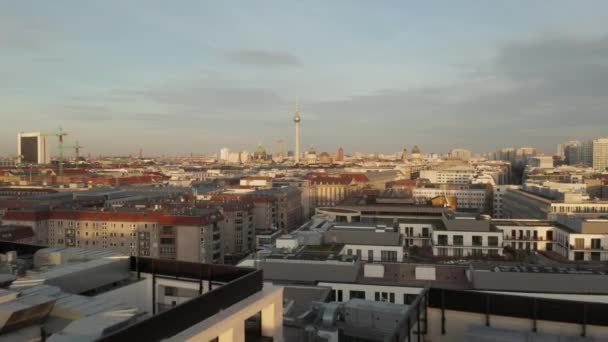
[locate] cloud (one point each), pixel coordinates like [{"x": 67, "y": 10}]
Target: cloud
[
  {"x": 532, "y": 91},
  {"x": 263, "y": 58}
]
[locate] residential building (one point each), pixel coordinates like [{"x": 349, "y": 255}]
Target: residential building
[
  {"x": 453, "y": 175},
  {"x": 600, "y": 154},
  {"x": 473, "y": 197},
  {"x": 498, "y": 192},
  {"x": 194, "y": 236},
  {"x": 542, "y": 202},
  {"x": 543, "y": 162},
  {"x": 465, "y": 236}
]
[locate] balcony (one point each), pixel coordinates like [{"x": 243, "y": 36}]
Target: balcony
[
  {"x": 525, "y": 238},
  {"x": 417, "y": 236},
  {"x": 587, "y": 248},
  {"x": 468, "y": 246}
]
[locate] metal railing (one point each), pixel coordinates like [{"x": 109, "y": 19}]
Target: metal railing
[
  {"x": 532, "y": 308},
  {"x": 239, "y": 283}
]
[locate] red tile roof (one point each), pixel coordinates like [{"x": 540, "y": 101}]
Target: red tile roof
[{"x": 139, "y": 216}]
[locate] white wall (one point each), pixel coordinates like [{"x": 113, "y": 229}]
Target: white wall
[
  {"x": 370, "y": 290},
  {"x": 376, "y": 250}
]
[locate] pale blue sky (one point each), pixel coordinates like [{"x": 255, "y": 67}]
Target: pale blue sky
[{"x": 193, "y": 76}]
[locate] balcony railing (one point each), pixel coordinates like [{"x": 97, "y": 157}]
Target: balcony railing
[
  {"x": 526, "y": 238},
  {"x": 588, "y": 248},
  {"x": 239, "y": 283},
  {"x": 422, "y": 236},
  {"x": 468, "y": 246}
]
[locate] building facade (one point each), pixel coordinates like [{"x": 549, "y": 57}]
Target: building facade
[
  {"x": 32, "y": 148},
  {"x": 195, "y": 237},
  {"x": 600, "y": 154}
]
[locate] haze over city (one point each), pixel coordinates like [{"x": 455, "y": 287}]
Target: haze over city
[{"x": 371, "y": 76}]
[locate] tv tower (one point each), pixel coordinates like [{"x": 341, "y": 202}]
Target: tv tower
[{"x": 296, "y": 120}]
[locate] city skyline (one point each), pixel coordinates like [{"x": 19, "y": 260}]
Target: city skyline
[{"x": 120, "y": 77}]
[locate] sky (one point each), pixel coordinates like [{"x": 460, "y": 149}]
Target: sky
[{"x": 193, "y": 76}]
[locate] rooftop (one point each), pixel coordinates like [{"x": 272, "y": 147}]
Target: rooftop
[{"x": 73, "y": 294}]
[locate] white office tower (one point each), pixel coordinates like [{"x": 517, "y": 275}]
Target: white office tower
[
  {"x": 32, "y": 148},
  {"x": 224, "y": 153},
  {"x": 600, "y": 154}
]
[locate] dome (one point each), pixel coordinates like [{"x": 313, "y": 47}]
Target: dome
[
  {"x": 325, "y": 158},
  {"x": 260, "y": 149},
  {"x": 415, "y": 149}
]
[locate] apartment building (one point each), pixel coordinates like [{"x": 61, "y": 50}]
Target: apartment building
[
  {"x": 238, "y": 232},
  {"x": 276, "y": 208},
  {"x": 475, "y": 197},
  {"x": 193, "y": 236},
  {"x": 453, "y": 175},
  {"x": 600, "y": 154},
  {"x": 465, "y": 235},
  {"x": 498, "y": 192},
  {"x": 417, "y": 232},
  {"x": 528, "y": 203},
  {"x": 368, "y": 243}
]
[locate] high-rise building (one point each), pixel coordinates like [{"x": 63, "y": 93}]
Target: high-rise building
[
  {"x": 296, "y": 120},
  {"x": 340, "y": 156},
  {"x": 600, "y": 154},
  {"x": 560, "y": 152},
  {"x": 32, "y": 148},
  {"x": 587, "y": 153},
  {"x": 224, "y": 153},
  {"x": 571, "y": 151}
]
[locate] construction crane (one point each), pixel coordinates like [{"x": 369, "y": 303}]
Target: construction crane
[
  {"x": 77, "y": 147},
  {"x": 60, "y": 134}
]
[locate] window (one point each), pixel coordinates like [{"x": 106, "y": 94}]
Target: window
[
  {"x": 349, "y": 252},
  {"x": 457, "y": 252},
  {"x": 493, "y": 241},
  {"x": 442, "y": 240},
  {"x": 391, "y": 297},
  {"x": 425, "y": 232},
  {"x": 357, "y": 294},
  {"x": 477, "y": 240},
  {"x": 596, "y": 243},
  {"x": 458, "y": 240},
  {"x": 388, "y": 256},
  {"x": 370, "y": 255},
  {"x": 579, "y": 243},
  {"x": 408, "y": 298}
]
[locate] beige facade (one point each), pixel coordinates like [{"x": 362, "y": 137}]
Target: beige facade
[{"x": 150, "y": 234}]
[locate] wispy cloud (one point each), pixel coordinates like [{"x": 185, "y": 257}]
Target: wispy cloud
[{"x": 263, "y": 58}]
